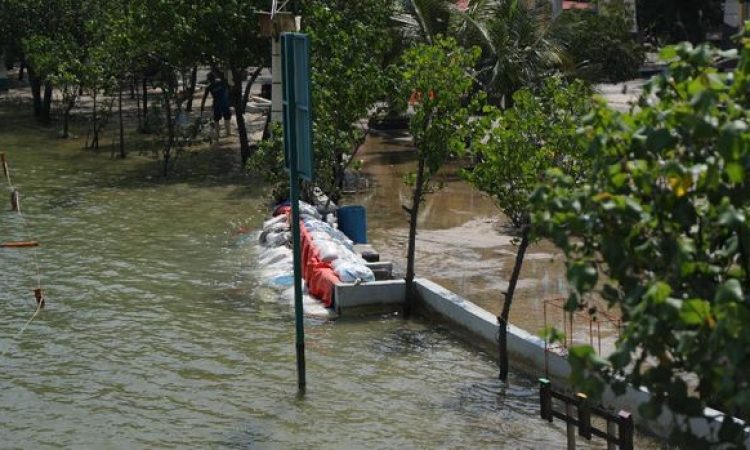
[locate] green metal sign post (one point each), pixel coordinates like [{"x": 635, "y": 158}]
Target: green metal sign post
[{"x": 295, "y": 50}]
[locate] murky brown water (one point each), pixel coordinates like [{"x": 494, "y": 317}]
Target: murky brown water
[
  {"x": 158, "y": 332},
  {"x": 463, "y": 242}
]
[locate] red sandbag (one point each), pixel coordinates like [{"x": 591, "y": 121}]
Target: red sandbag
[{"x": 318, "y": 275}]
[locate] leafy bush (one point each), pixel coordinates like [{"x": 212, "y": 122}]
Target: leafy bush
[
  {"x": 515, "y": 147},
  {"x": 661, "y": 230},
  {"x": 268, "y": 160},
  {"x": 600, "y": 43}
]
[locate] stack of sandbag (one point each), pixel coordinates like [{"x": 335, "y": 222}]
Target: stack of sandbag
[
  {"x": 336, "y": 249},
  {"x": 276, "y": 232}
]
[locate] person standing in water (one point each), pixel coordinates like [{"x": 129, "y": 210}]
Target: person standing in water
[{"x": 219, "y": 90}]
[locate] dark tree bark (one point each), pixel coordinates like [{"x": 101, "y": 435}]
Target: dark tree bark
[
  {"x": 411, "y": 292},
  {"x": 66, "y": 116},
  {"x": 191, "y": 88},
  {"x": 36, "y": 93},
  {"x": 240, "y": 105},
  {"x": 20, "y": 70},
  {"x": 167, "y": 152},
  {"x": 248, "y": 86},
  {"x": 95, "y": 124},
  {"x": 122, "y": 127},
  {"x": 138, "y": 106},
  {"x": 145, "y": 98},
  {"x": 505, "y": 313},
  {"x": 46, "y": 103}
]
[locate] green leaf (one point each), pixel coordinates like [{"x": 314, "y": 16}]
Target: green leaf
[
  {"x": 658, "y": 292},
  {"x": 695, "y": 311},
  {"x": 729, "y": 291},
  {"x": 582, "y": 276},
  {"x": 735, "y": 172}
]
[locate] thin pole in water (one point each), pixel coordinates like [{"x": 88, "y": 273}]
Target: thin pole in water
[
  {"x": 296, "y": 247},
  {"x": 300, "y": 338}
]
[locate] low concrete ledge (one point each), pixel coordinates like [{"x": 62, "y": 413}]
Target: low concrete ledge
[
  {"x": 383, "y": 270},
  {"x": 527, "y": 349},
  {"x": 522, "y": 346},
  {"x": 376, "y": 294}
]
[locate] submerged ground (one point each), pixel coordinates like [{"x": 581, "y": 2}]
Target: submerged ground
[{"x": 159, "y": 333}]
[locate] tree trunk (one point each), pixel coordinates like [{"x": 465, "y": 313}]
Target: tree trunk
[
  {"x": 20, "y": 70},
  {"x": 122, "y": 128},
  {"x": 36, "y": 93},
  {"x": 94, "y": 122},
  {"x": 138, "y": 106},
  {"x": 145, "y": 100},
  {"x": 47, "y": 103},
  {"x": 170, "y": 129},
  {"x": 411, "y": 292},
  {"x": 66, "y": 116},
  {"x": 505, "y": 313},
  {"x": 239, "y": 109},
  {"x": 248, "y": 86},
  {"x": 191, "y": 88},
  {"x": 66, "y": 122}
]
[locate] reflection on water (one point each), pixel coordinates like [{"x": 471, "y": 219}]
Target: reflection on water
[
  {"x": 463, "y": 242},
  {"x": 159, "y": 334}
]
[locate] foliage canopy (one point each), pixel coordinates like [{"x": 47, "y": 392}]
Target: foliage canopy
[{"x": 661, "y": 230}]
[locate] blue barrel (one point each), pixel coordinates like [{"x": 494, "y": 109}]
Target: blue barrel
[{"x": 353, "y": 223}]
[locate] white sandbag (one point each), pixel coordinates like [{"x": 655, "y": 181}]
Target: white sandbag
[
  {"x": 276, "y": 227},
  {"x": 347, "y": 257},
  {"x": 328, "y": 250},
  {"x": 270, "y": 256},
  {"x": 320, "y": 236},
  {"x": 281, "y": 218},
  {"x": 354, "y": 273},
  {"x": 274, "y": 239},
  {"x": 305, "y": 209}
]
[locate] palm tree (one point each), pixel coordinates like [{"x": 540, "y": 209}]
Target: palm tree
[
  {"x": 518, "y": 47},
  {"x": 422, "y": 20}
]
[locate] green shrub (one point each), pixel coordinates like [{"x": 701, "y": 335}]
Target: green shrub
[
  {"x": 660, "y": 229},
  {"x": 601, "y": 43}
]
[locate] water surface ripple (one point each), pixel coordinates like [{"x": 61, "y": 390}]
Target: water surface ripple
[{"x": 158, "y": 334}]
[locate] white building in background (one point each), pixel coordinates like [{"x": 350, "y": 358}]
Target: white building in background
[{"x": 736, "y": 12}]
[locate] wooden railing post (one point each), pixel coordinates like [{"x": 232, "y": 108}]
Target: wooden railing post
[
  {"x": 612, "y": 431},
  {"x": 570, "y": 426},
  {"x": 545, "y": 399},
  {"x": 584, "y": 416},
  {"x": 625, "y": 430}
]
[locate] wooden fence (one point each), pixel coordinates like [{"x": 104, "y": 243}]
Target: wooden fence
[{"x": 619, "y": 427}]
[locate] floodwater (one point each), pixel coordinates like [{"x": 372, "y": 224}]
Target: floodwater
[
  {"x": 464, "y": 242},
  {"x": 158, "y": 332}
]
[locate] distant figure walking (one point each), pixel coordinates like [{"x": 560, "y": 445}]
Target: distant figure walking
[{"x": 219, "y": 90}]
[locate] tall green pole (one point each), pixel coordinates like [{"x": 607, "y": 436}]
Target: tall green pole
[
  {"x": 296, "y": 248},
  {"x": 291, "y": 127}
]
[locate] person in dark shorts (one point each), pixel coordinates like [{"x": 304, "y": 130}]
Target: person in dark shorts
[{"x": 219, "y": 90}]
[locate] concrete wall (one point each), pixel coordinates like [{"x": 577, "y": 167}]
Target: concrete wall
[
  {"x": 468, "y": 317},
  {"x": 380, "y": 295},
  {"x": 482, "y": 328}
]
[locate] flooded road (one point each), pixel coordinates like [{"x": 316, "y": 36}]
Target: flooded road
[
  {"x": 158, "y": 332},
  {"x": 463, "y": 241}
]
